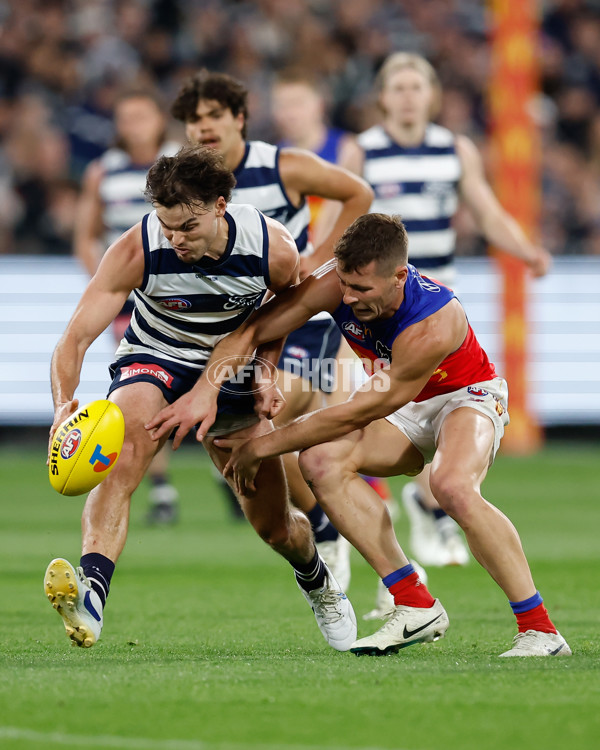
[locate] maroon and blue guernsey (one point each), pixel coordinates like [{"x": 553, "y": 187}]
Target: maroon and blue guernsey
[{"x": 372, "y": 341}]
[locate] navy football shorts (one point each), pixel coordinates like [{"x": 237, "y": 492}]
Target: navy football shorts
[
  {"x": 310, "y": 352},
  {"x": 235, "y": 402}
]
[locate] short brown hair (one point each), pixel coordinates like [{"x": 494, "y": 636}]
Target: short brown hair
[
  {"x": 196, "y": 174},
  {"x": 219, "y": 87},
  {"x": 373, "y": 237}
]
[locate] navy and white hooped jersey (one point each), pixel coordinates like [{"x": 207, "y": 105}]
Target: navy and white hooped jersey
[
  {"x": 258, "y": 183},
  {"x": 122, "y": 190},
  {"x": 181, "y": 310},
  {"x": 421, "y": 185}
]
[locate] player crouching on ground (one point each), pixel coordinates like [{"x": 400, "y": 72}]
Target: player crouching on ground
[
  {"x": 436, "y": 397},
  {"x": 198, "y": 267}
]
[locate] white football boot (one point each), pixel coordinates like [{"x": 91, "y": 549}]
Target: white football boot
[
  {"x": 333, "y": 613},
  {"x": 536, "y": 643},
  {"x": 432, "y": 542},
  {"x": 384, "y": 601},
  {"x": 406, "y": 626},
  {"x": 336, "y": 555},
  {"x": 75, "y": 601}
]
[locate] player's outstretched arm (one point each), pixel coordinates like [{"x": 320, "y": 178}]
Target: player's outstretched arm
[
  {"x": 120, "y": 271},
  {"x": 281, "y": 315},
  {"x": 304, "y": 173},
  {"x": 415, "y": 355},
  {"x": 497, "y": 225}
]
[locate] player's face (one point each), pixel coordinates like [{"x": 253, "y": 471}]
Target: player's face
[
  {"x": 407, "y": 97},
  {"x": 215, "y": 126},
  {"x": 192, "y": 231},
  {"x": 371, "y": 295},
  {"x": 139, "y": 122},
  {"x": 296, "y": 109}
]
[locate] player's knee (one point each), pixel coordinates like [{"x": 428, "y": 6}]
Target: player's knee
[
  {"x": 320, "y": 462},
  {"x": 133, "y": 462},
  {"x": 454, "y": 492},
  {"x": 276, "y": 534}
]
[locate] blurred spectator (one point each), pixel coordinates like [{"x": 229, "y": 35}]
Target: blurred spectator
[{"x": 63, "y": 64}]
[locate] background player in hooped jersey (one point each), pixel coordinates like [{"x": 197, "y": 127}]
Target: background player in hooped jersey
[
  {"x": 217, "y": 261},
  {"x": 276, "y": 180},
  {"x": 111, "y": 202},
  {"x": 433, "y": 396},
  {"x": 299, "y": 110},
  {"x": 422, "y": 171}
]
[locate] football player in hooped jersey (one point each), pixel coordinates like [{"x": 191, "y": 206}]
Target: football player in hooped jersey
[
  {"x": 111, "y": 202},
  {"x": 433, "y": 395},
  {"x": 197, "y": 267},
  {"x": 422, "y": 172},
  {"x": 213, "y": 107}
]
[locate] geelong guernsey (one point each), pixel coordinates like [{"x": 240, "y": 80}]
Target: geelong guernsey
[
  {"x": 373, "y": 341},
  {"x": 258, "y": 183},
  {"x": 182, "y": 311},
  {"x": 122, "y": 190},
  {"x": 420, "y": 184}
]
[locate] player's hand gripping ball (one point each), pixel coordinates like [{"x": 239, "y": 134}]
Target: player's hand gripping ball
[{"x": 86, "y": 447}]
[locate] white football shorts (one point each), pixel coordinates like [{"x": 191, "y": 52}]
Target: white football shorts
[{"x": 421, "y": 422}]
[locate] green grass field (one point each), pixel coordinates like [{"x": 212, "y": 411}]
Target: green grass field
[{"x": 208, "y": 645}]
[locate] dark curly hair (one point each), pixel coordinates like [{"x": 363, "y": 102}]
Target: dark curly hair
[
  {"x": 220, "y": 87},
  {"x": 373, "y": 237},
  {"x": 195, "y": 175}
]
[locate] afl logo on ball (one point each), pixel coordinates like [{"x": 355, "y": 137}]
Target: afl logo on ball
[{"x": 70, "y": 444}]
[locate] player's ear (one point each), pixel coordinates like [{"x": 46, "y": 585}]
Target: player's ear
[
  {"x": 401, "y": 274},
  {"x": 220, "y": 206}
]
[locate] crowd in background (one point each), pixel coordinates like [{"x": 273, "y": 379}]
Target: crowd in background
[{"x": 63, "y": 63}]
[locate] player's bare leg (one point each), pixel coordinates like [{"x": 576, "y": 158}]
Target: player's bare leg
[
  {"x": 300, "y": 398},
  {"x": 357, "y": 511},
  {"x": 79, "y": 594},
  {"x": 287, "y": 530},
  {"x": 458, "y": 469},
  {"x": 435, "y": 538},
  {"x": 269, "y": 511},
  {"x": 332, "y": 470},
  {"x": 105, "y": 517}
]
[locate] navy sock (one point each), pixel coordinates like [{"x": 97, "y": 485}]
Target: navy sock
[
  {"x": 323, "y": 529},
  {"x": 98, "y": 570},
  {"x": 437, "y": 513},
  {"x": 311, "y": 575}
]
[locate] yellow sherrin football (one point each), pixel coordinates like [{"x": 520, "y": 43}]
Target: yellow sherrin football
[{"x": 86, "y": 447}]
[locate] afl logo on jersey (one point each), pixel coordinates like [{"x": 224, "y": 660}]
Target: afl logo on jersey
[
  {"x": 175, "y": 303},
  {"x": 354, "y": 330},
  {"x": 70, "y": 444}
]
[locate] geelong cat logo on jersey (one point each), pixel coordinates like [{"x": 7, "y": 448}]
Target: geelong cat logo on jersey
[
  {"x": 236, "y": 301},
  {"x": 176, "y": 303},
  {"x": 354, "y": 330}
]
